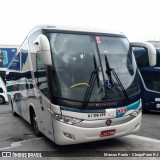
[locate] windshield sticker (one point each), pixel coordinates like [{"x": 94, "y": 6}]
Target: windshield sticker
[
  {"x": 98, "y": 39},
  {"x": 108, "y": 84},
  {"x": 122, "y": 110}
]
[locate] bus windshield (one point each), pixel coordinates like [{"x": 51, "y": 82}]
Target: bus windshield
[
  {"x": 79, "y": 66},
  {"x": 121, "y": 59}
]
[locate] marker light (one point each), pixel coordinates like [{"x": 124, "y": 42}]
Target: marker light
[{"x": 68, "y": 135}]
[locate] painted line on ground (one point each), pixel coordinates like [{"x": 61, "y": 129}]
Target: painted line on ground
[
  {"x": 143, "y": 138},
  {"x": 18, "y": 144}
]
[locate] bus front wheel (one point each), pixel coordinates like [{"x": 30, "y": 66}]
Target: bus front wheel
[
  {"x": 2, "y": 100},
  {"x": 35, "y": 124}
]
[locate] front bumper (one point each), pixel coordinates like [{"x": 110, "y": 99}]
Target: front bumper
[{"x": 83, "y": 135}]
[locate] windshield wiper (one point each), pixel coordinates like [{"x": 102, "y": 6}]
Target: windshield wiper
[
  {"x": 91, "y": 83},
  {"x": 111, "y": 70}
]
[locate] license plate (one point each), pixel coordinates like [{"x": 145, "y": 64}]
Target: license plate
[{"x": 108, "y": 133}]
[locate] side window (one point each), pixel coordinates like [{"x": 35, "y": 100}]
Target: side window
[
  {"x": 26, "y": 77},
  {"x": 41, "y": 76},
  {"x": 141, "y": 56},
  {"x": 151, "y": 80},
  {"x": 16, "y": 74},
  {"x": 34, "y": 49},
  {"x": 15, "y": 64},
  {"x": 153, "y": 85},
  {"x": 25, "y": 64},
  {"x": 39, "y": 69}
]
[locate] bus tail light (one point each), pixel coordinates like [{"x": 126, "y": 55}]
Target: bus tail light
[{"x": 65, "y": 119}]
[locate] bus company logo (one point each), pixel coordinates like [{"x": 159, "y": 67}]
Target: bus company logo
[
  {"x": 122, "y": 110},
  {"x": 108, "y": 122},
  {"x": 108, "y": 104}
]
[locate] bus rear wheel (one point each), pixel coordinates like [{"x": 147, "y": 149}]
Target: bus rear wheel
[
  {"x": 13, "y": 112},
  {"x": 35, "y": 125}
]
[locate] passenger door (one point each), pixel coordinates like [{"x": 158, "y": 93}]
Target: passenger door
[{"x": 45, "y": 116}]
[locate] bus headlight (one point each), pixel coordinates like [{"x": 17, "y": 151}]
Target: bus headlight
[
  {"x": 136, "y": 112},
  {"x": 65, "y": 119}
]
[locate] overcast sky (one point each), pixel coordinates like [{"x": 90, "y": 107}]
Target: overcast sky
[{"x": 138, "y": 19}]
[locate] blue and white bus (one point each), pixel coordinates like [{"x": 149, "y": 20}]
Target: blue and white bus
[
  {"x": 76, "y": 85},
  {"x": 150, "y": 80}
]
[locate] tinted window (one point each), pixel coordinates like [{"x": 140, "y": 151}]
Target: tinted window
[
  {"x": 41, "y": 76},
  {"x": 149, "y": 75},
  {"x": 158, "y": 57},
  {"x": 141, "y": 56},
  {"x": 153, "y": 85}
]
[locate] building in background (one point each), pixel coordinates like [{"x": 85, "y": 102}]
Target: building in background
[
  {"x": 155, "y": 43},
  {"x": 7, "y": 53}
]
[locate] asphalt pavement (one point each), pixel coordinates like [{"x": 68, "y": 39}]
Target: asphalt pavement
[{"x": 16, "y": 135}]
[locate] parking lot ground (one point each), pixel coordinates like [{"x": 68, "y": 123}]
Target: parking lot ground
[{"x": 16, "y": 135}]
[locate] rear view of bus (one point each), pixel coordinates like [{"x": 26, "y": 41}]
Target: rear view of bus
[{"x": 85, "y": 85}]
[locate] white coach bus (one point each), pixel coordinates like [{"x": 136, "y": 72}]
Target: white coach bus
[{"x": 76, "y": 85}]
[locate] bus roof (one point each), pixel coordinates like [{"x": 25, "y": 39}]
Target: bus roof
[{"x": 69, "y": 28}]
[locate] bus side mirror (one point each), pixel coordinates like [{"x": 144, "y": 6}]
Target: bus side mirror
[
  {"x": 152, "y": 55},
  {"x": 45, "y": 50}
]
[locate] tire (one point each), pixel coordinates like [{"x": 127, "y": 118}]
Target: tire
[
  {"x": 2, "y": 100},
  {"x": 13, "y": 112},
  {"x": 35, "y": 124}
]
